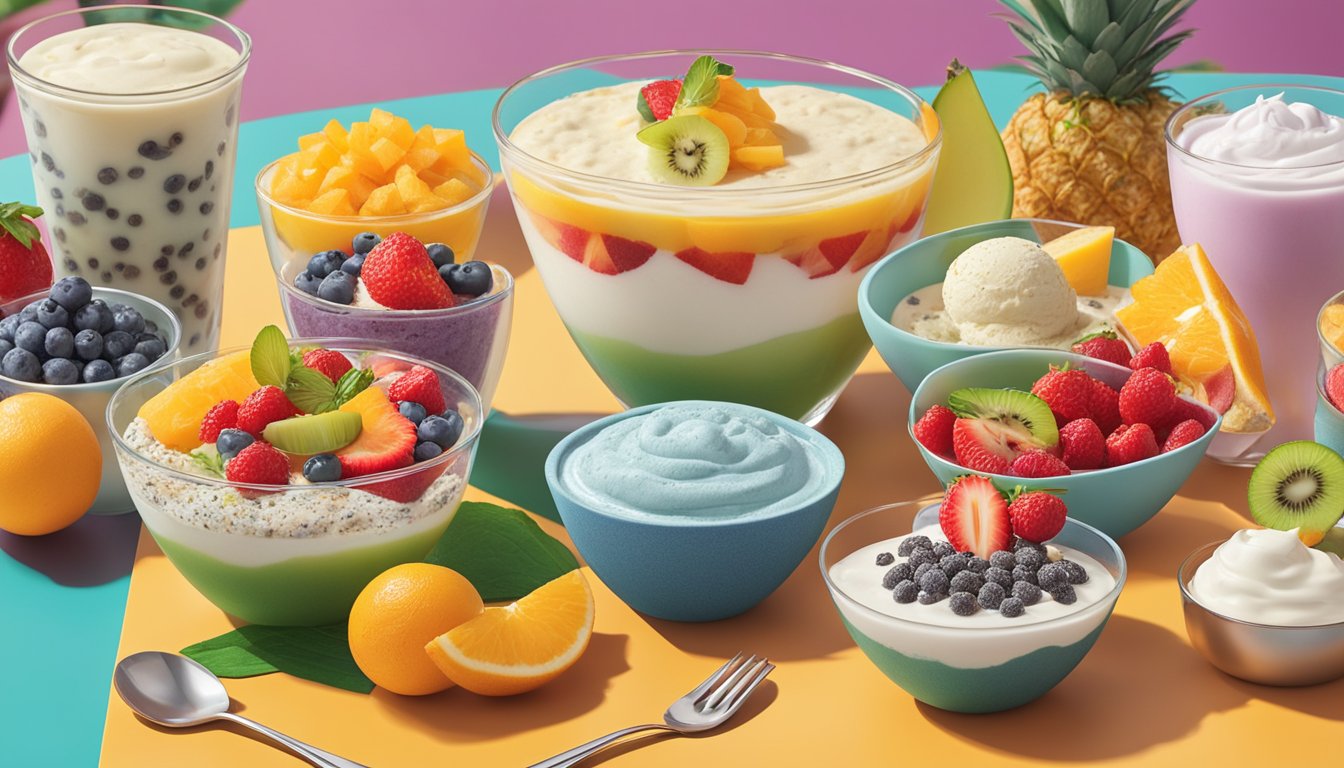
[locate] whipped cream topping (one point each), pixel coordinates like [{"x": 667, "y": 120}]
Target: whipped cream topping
[
  {"x": 129, "y": 58},
  {"x": 1270, "y": 135},
  {"x": 1271, "y": 577},
  {"x": 695, "y": 461}
]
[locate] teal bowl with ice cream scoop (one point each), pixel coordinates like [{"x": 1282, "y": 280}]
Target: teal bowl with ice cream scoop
[
  {"x": 925, "y": 262},
  {"x": 694, "y": 510}
]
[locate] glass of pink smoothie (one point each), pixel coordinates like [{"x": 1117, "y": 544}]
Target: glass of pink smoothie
[{"x": 1257, "y": 178}]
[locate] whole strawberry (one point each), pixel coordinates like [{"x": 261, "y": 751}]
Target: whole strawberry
[
  {"x": 1183, "y": 434},
  {"x": 1130, "y": 443},
  {"x": 933, "y": 430},
  {"x": 262, "y": 407},
  {"x": 1068, "y": 392},
  {"x": 1148, "y": 397},
  {"x": 25, "y": 266},
  {"x": 1037, "y": 516},
  {"x": 1103, "y": 345},
  {"x": 1105, "y": 407},
  {"x": 1334, "y": 386},
  {"x": 259, "y": 464},
  {"x": 1083, "y": 444},
  {"x": 419, "y": 385},
  {"x": 327, "y": 362},
  {"x": 657, "y": 99},
  {"x": 399, "y": 274},
  {"x": 224, "y": 415},
  {"x": 1152, "y": 356},
  {"x": 1038, "y": 464}
]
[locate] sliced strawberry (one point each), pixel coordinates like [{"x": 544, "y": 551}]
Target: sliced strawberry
[
  {"x": 595, "y": 257},
  {"x": 982, "y": 446},
  {"x": 974, "y": 517},
  {"x": 625, "y": 254},
  {"x": 729, "y": 267},
  {"x": 409, "y": 487},
  {"x": 386, "y": 442},
  {"x": 913, "y": 219},
  {"x": 876, "y": 245},
  {"x": 566, "y": 238},
  {"x": 839, "y": 250},
  {"x": 813, "y": 263}
]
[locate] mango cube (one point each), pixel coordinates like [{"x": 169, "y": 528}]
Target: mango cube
[
  {"x": 454, "y": 191},
  {"x": 309, "y": 139},
  {"x": 336, "y": 202},
  {"x": 759, "y": 158},
  {"x": 387, "y": 153},
  {"x": 336, "y": 135},
  {"x": 383, "y": 201},
  {"x": 421, "y": 158}
]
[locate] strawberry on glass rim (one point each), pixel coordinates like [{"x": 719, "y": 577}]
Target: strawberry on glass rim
[{"x": 25, "y": 266}]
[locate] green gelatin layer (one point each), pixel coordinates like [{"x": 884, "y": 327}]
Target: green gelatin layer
[
  {"x": 987, "y": 689},
  {"x": 302, "y": 591},
  {"x": 788, "y": 374}
]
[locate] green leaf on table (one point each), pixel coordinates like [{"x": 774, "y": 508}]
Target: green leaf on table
[
  {"x": 310, "y": 391},
  {"x": 229, "y": 660},
  {"x": 319, "y": 654},
  {"x": 502, "y": 552},
  {"x": 270, "y": 358}
]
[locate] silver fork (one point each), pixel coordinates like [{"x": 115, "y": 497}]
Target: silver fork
[{"x": 707, "y": 705}]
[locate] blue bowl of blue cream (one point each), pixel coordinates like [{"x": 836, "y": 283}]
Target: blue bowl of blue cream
[{"x": 694, "y": 510}]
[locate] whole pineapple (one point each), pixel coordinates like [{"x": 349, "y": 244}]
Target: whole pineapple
[{"x": 1091, "y": 149}]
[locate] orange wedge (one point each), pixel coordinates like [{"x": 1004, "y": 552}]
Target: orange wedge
[
  {"x": 1186, "y": 306},
  {"x": 175, "y": 414},
  {"x": 1332, "y": 325},
  {"x": 516, "y": 648}
]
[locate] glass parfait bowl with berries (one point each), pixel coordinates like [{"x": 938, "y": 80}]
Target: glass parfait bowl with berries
[{"x": 279, "y": 479}]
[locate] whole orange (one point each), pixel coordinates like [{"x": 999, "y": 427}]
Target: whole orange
[
  {"x": 50, "y": 464},
  {"x": 400, "y": 611}
]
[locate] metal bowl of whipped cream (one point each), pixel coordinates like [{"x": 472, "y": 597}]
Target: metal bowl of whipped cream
[{"x": 1254, "y": 606}]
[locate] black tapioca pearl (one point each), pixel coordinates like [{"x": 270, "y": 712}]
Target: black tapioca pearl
[
  {"x": 200, "y": 263},
  {"x": 175, "y": 139},
  {"x": 207, "y": 207},
  {"x": 201, "y": 311},
  {"x": 76, "y": 218},
  {"x": 106, "y": 276},
  {"x": 120, "y": 243},
  {"x": 174, "y": 184},
  {"x": 161, "y": 264},
  {"x": 194, "y": 184},
  {"x": 48, "y": 163},
  {"x": 174, "y": 206},
  {"x": 190, "y": 300},
  {"x": 219, "y": 248},
  {"x": 153, "y": 150},
  {"x": 112, "y": 213},
  {"x": 194, "y": 340},
  {"x": 40, "y": 128},
  {"x": 71, "y": 265},
  {"x": 135, "y": 220},
  {"x": 168, "y": 278},
  {"x": 59, "y": 233},
  {"x": 205, "y": 235},
  {"x": 59, "y": 173},
  {"x": 60, "y": 210},
  {"x": 229, "y": 114},
  {"x": 131, "y": 272},
  {"x": 120, "y": 266},
  {"x": 220, "y": 149},
  {"x": 135, "y": 172},
  {"x": 56, "y": 193},
  {"x": 177, "y": 292},
  {"x": 108, "y": 175},
  {"x": 186, "y": 250},
  {"x": 93, "y": 262},
  {"x": 209, "y": 168},
  {"x": 93, "y": 201}
]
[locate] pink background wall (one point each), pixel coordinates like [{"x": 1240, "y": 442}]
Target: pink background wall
[{"x": 311, "y": 54}]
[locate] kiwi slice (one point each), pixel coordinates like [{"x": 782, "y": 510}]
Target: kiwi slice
[
  {"x": 1019, "y": 412},
  {"x": 1299, "y": 484},
  {"x": 687, "y": 150},
  {"x": 319, "y": 433}
]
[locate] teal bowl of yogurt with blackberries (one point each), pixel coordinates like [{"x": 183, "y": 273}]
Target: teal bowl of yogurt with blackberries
[
  {"x": 965, "y": 651},
  {"x": 694, "y": 510}
]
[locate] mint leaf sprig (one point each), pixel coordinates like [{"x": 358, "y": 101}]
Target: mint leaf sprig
[
  {"x": 701, "y": 86},
  {"x": 273, "y": 364}
]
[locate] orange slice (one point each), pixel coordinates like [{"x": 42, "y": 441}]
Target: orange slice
[
  {"x": 1186, "y": 306},
  {"x": 516, "y": 648},
  {"x": 174, "y": 415}
]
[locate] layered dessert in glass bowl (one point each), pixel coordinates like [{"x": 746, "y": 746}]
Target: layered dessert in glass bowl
[
  {"x": 701, "y": 220},
  {"x": 279, "y": 502}
]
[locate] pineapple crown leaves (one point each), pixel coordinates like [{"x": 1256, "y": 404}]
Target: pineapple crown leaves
[{"x": 1101, "y": 48}]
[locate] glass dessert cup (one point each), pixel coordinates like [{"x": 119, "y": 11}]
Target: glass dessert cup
[
  {"x": 260, "y": 559},
  {"x": 780, "y": 338},
  {"x": 471, "y": 338},
  {"x": 1241, "y": 213},
  {"x": 91, "y": 399},
  {"x": 1267, "y": 654},
  {"x": 137, "y": 187},
  {"x": 968, "y": 669}
]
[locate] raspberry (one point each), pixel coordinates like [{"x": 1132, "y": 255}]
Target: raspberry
[
  {"x": 260, "y": 464},
  {"x": 1105, "y": 407},
  {"x": 1183, "y": 434},
  {"x": 1104, "y": 345},
  {"x": 223, "y": 415},
  {"x": 1083, "y": 444},
  {"x": 658, "y": 98},
  {"x": 262, "y": 407},
  {"x": 1148, "y": 397},
  {"x": 1068, "y": 392},
  {"x": 1130, "y": 443},
  {"x": 419, "y": 385},
  {"x": 1037, "y": 516},
  {"x": 1152, "y": 356},
  {"x": 1037, "y": 464},
  {"x": 327, "y": 362},
  {"x": 933, "y": 430},
  {"x": 1186, "y": 410}
]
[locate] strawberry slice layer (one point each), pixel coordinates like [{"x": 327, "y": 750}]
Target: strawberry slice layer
[
  {"x": 729, "y": 267},
  {"x": 974, "y": 517}
]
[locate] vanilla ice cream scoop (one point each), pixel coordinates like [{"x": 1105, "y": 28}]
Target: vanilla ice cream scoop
[{"x": 1009, "y": 292}]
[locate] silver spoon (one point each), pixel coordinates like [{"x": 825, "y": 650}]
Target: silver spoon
[{"x": 177, "y": 692}]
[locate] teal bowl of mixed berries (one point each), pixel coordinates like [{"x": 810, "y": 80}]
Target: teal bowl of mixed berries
[{"x": 1118, "y": 441}]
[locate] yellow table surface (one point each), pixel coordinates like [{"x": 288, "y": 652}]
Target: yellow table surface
[{"x": 1143, "y": 696}]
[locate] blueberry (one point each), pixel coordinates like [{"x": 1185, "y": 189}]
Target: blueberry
[
  {"x": 118, "y": 344},
  {"x": 1031, "y": 558},
  {"x": 885, "y": 558},
  {"x": 60, "y": 371},
  {"x": 89, "y": 345},
  {"x": 943, "y": 549},
  {"x": 905, "y": 592},
  {"x": 977, "y": 564},
  {"x": 52, "y": 315},
  {"x": 152, "y": 327},
  {"x": 132, "y": 363},
  {"x": 1074, "y": 571},
  {"x": 963, "y": 603},
  {"x": 952, "y": 564},
  {"x": 128, "y": 320},
  {"x": 307, "y": 283},
  {"x": 1011, "y": 608},
  {"x": 8, "y": 326},
  {"x": 440, "y": 254},
  {"x": 152, "y": 348},
  {"x": 72, "y": 293},
  {"x": 920, "y": 556},
  {"x": 94, "y": 316},
  {"x": 897, "y": 574},
  {"x": 414, "y": 412},
  {"x": 322, "y": 468},
  {"x": 1003, "y": 559},
  {"x": 999, "y": 576},
  {"x": 929, "y": 598},
  {"x": 911, "y": 544},
  {"x": 364, "y": 242},
  {"x": 1027, "y": 592},
  {"x": 967, "y": 581},
  {"x": 1021, "y": 544},
  {"x": 337, "y": 287},
  {"x": 5, "y": 346},
  {"x": 470, "y": 279},
  {"x": 22, "y": 365},
  {"x": 353, "y": 265},
  {"x": 991, "y": 594},
  {"x": 1052, "y": 575},
  {"x": 324, "y": 263},
  {"x": 922, "y": 569},
  {"x": 98, "y": 370},
  {"x": 935, "y": 581},
  {"x": 427, "y": 451},
  {"x": 442, "y": 430},
  {"x": 1024, "y": 573},
  {"x": 59, "y": 342},
  {"x": 29, "y": 313},
  {"x": 231, "y": 441},
  {"x": 1064, "y": 594},
  {"x": 31, "y": 336}
]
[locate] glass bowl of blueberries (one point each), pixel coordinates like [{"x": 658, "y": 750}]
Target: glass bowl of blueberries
[{"x": 79, "y": 343}]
